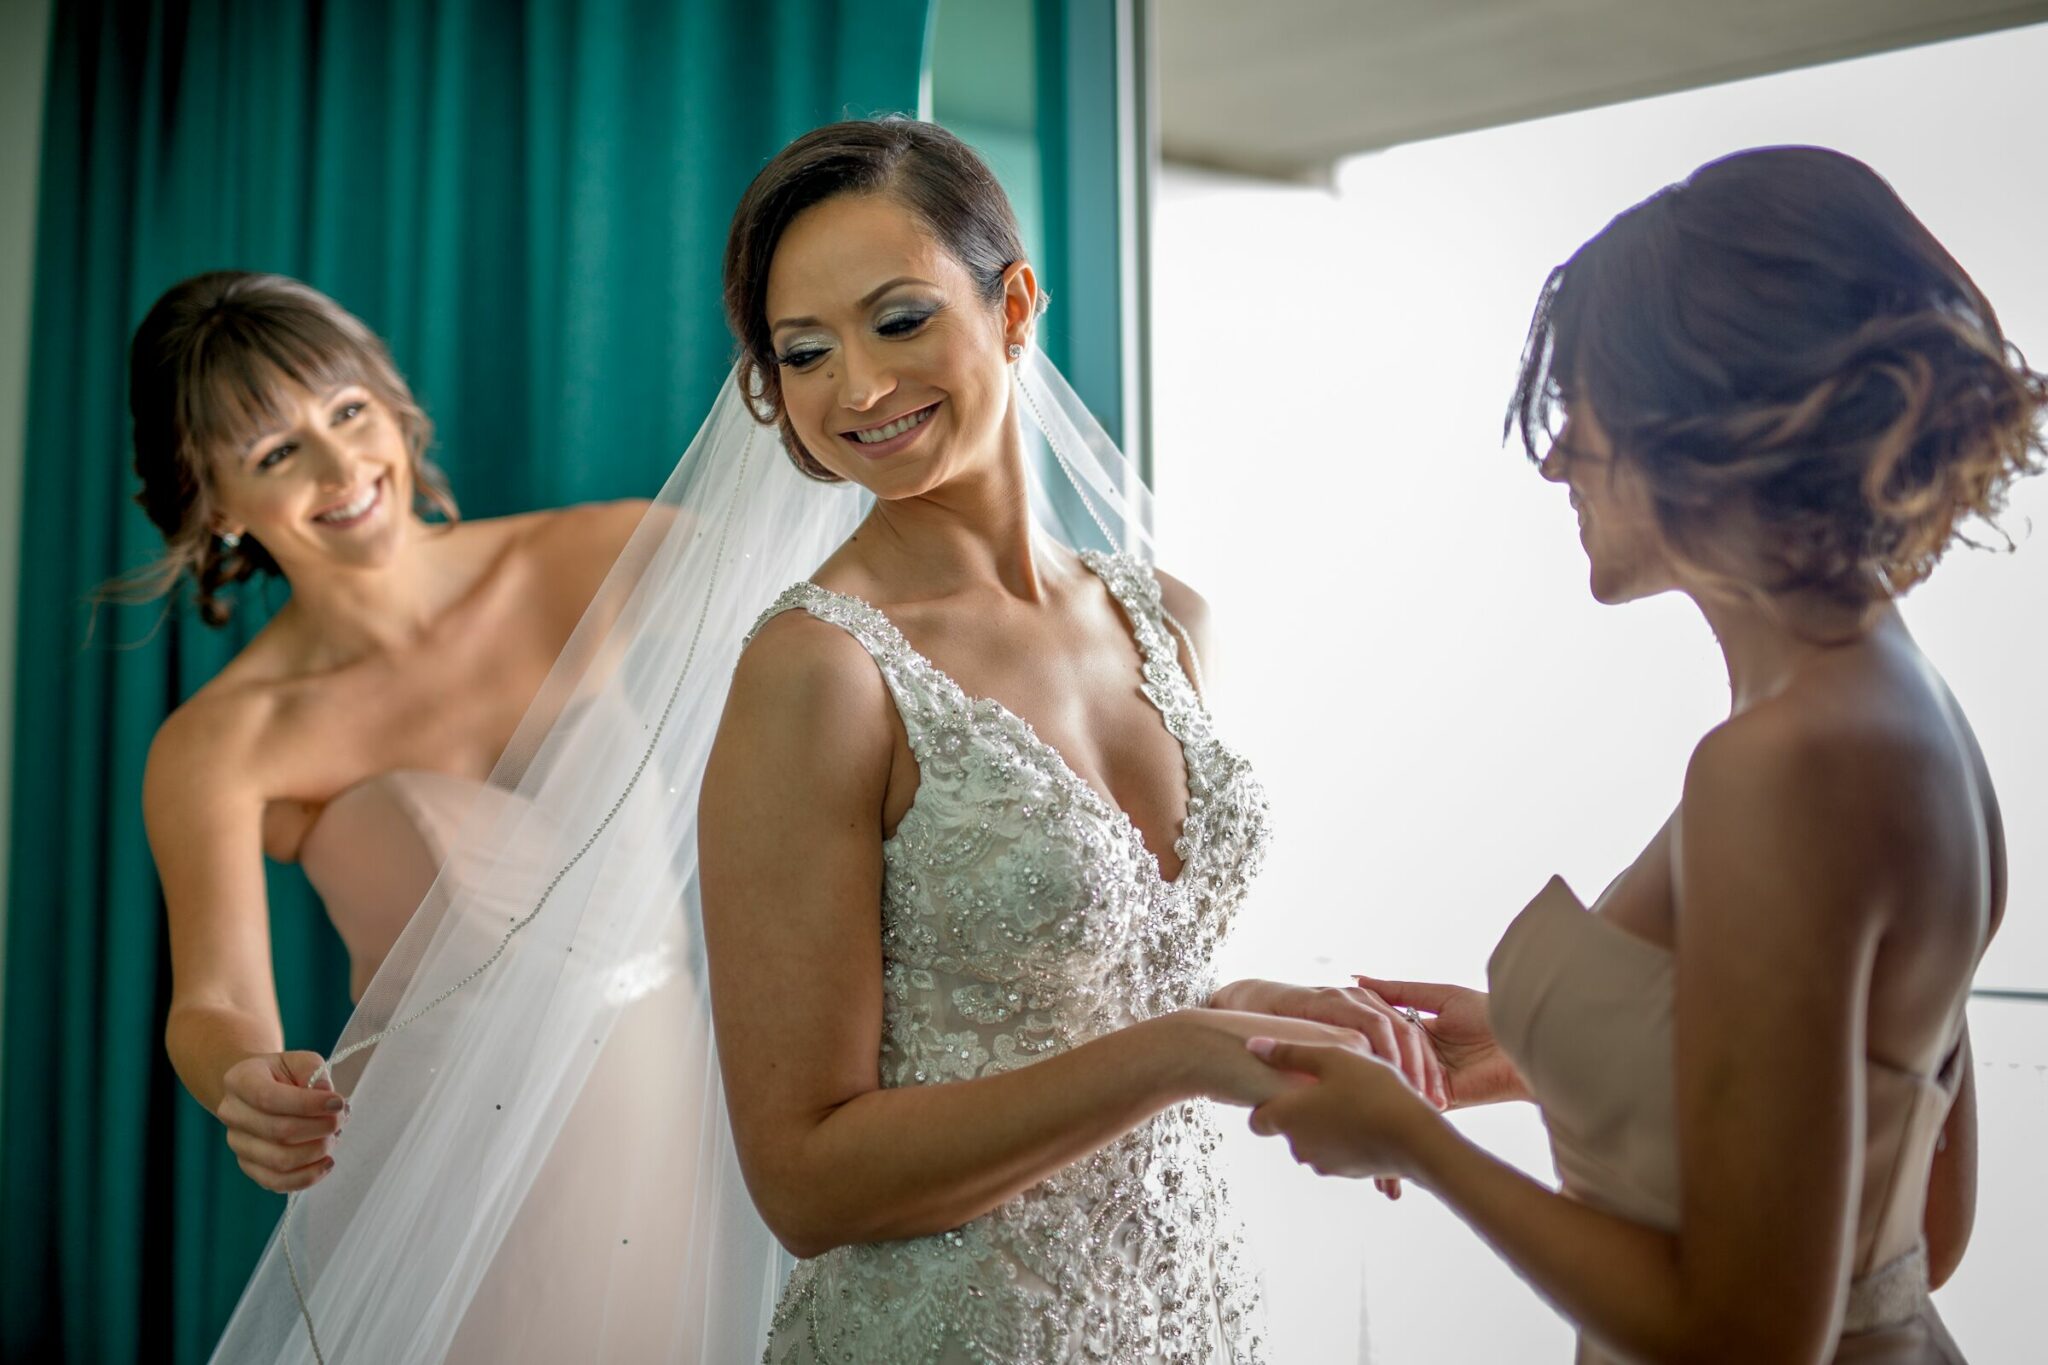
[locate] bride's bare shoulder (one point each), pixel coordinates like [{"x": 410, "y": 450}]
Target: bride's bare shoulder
[
  {"x": 807, "y": 712},
  {"x": 1187, "y": 606},
  {"x": 799, "y": 666},
  {"x": 1188, "y": 610}
]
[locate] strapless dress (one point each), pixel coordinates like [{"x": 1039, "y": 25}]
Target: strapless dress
[{"x": 1584, "y": 1009}]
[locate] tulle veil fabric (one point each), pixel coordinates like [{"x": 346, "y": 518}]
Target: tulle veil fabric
[{"x": 537, "y": 1165}]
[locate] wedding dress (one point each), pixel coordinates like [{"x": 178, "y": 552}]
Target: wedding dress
[
  {"x": 554, "y": 970},
  {"x": 1584, "y": 1009},
  {"x": 1021, "y": 916}
]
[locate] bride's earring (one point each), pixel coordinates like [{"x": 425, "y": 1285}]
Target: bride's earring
[{"x": 1016, "y": 351}]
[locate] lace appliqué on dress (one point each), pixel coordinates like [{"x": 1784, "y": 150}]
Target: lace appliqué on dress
[{"x": 1022, "y": 915}]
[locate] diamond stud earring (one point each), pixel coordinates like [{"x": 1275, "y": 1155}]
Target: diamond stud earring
[
  {"x": 1016, "y": 351},
  {"x": 230, "y": 540}
]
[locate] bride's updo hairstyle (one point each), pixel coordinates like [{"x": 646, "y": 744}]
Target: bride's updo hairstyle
[
  {"x": 204, "y": 372},
  {"x": 923, "y": 167},
  {"x": 1815, "y": 394}
]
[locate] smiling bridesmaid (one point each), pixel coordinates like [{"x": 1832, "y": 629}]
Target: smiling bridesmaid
[{"x": 273, "y": 436}]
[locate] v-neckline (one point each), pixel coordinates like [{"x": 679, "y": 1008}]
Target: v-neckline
[{"x": 1104, "y": 803}]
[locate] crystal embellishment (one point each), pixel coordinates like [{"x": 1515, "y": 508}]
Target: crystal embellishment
[{"x": 1022, "y": 915}]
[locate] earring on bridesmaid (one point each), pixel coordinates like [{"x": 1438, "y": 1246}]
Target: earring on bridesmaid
[{"x": 230, "y": 541}]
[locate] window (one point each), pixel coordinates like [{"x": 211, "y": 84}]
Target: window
[{"x": 1408, "y": 652}]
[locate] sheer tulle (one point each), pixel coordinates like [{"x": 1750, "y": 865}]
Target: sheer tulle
[{"x": 537, "y": 1164}]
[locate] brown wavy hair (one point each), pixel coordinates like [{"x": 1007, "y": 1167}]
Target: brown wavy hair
[
  {"x": 203, "y": 376},
  {"x": 1777, "y": 342},
  {"x": 925, "y": 168}
]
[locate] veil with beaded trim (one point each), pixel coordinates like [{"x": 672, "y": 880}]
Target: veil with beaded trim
[{"x": 537, "y": 1157}]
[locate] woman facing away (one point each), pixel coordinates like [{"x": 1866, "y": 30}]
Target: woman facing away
[
  {"x": 353, "y": 735},
  {"x": 969, "y": 841},
  {"x": 1780, "y": 396}
]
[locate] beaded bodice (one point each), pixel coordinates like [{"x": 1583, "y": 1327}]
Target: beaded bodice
[{"x": 1022, "y": 915}]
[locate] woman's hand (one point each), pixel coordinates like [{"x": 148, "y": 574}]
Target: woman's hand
[
  {"x": 280, "y": 1128},
  {"x": 1389, "y": 1033},
  {"x": 1207, "y": 1052},
  {"x": 1348, "y": 1114},
  {"x": 1473, "y": 1068}
]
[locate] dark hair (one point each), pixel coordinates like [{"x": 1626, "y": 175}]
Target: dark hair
[
  {"x": 203, "y": 376},
  {"x": 925, "y": 168},
  {"x": 1779, "y": 338}
]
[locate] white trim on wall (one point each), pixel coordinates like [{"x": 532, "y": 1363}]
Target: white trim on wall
[{"x": 24, "y": 57}]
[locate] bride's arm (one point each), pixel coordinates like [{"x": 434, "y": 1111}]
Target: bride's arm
[
  {"x": 1780, "y": 924},
  {"x": 791, "y": 868}
]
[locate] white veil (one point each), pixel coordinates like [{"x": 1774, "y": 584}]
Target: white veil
[{"x": 537, "y": 1165}]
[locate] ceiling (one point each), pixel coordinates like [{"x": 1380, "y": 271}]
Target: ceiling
[{"x": 1284, "y": 88}]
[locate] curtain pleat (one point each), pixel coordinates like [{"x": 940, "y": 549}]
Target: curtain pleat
[{"x": 527, "y": 199}]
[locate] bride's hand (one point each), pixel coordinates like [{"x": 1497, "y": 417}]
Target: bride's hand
[
  {"x": 280, "y": 1128},
  {"x": 1354, "y": 1115},
  {"x": 1473, "y": 1068},
  {"x": 1389, "y": 1032},
  {"x": 1207, "y": 1050}
]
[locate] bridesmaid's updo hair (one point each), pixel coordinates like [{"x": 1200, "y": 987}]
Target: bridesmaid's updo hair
[
  {"x": 920, "y": 165},
  {"x": 1778, "y": 344},
  {"x": 204, "y": 371}
]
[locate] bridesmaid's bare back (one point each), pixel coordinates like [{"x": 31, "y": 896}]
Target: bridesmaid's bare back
[{"x": 1917, "y": 812}]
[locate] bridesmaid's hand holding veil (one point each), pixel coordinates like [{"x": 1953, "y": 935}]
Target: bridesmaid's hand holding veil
[
  {"x": 281, "y": 1128},
  {"x": 1472, "y": 1068}
]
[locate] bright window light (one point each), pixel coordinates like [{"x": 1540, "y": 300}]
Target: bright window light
[{"x": 1408, "y": 652}]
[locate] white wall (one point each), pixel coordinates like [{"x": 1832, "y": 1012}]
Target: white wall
[
  {"x": 1408, "y": 653},
  {"x": 24, "y": 44}
]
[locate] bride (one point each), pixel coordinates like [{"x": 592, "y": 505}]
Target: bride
[
  {"x": 969, "y": 838},
  {"x": 898, "y": 919}
]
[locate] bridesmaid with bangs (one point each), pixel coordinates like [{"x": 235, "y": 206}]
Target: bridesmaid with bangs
[{"x": 275, "y": 439}]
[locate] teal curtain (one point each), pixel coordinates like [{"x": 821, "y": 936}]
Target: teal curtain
[
  {"x": 527, "y": 199},
  {"x": 1033, "y": 85}
]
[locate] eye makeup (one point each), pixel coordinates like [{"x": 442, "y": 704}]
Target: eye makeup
[{"x": 801, "y": 353}]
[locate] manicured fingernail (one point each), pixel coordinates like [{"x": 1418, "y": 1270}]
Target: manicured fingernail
[
  {"x": 336, "y": 1105},
  {"x": 1261, "y": 1048}
]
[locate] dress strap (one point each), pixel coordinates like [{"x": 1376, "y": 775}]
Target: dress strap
[
  {"x": 922, "y": 694},
  {"x": 1131, "y": 583}
]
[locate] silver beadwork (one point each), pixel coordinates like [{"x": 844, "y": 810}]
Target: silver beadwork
[{"x": 1023, "y": 915}]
